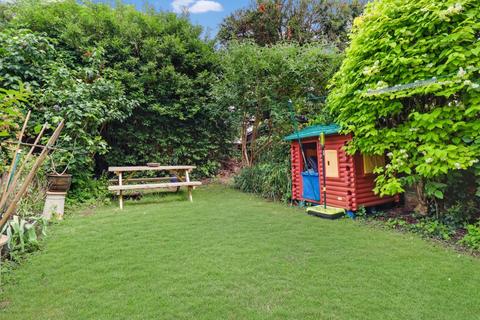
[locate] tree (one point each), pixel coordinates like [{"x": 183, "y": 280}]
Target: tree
[
  {"x": 257, "y": 82},
  {"x": 153, "y": 65},
  {"x": 429, "y": 127},
  {"x": 79, "y": 93},
  {"x": 271, "y": 21}
]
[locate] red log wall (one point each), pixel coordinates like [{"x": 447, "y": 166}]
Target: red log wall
[{"x": 351, "y": 190}]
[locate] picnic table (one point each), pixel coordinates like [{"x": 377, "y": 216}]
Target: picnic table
[{"x": 182, "y": 175}]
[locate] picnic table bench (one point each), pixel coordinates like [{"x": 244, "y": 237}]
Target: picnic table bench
[{"x": 182, "y": 174}]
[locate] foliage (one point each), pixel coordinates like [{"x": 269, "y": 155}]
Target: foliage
[
  {"x": 23, "y": 236},
  {"x": 270, "y": 180},
  {"x": 10, "y": 104},
  {"x": 89, "y": 192},
  {"x": 472, "y": 238},
  {"x": 426, "y": 227},
  {"x": 428, "y": 129},
  {"x": 257, "y": 82},
  {"x": 78, "y": 93},
  {"x": 271, "y": 21},
  {"x": 133, "y": 86}
]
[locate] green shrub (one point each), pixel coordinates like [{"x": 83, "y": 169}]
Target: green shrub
[
  {"x": 10, "y": 103},
  {"x": 270, "y": 180},
  {"x": 428, "y": 130},
  {"x": 134, "y": 86},
  {"x": 89, "y": 191},
  {"x": 472, "y": 238},
  {"x": 425, "y": 226}
]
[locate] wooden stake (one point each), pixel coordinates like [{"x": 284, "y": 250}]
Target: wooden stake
[
  {"x": 13, "y": 184},
  {"x": 31, "y": 175},
  {"x": 120, "y": 183},
  {"x": 16, "y": 154},
  {"x": 187, "y": 178}
]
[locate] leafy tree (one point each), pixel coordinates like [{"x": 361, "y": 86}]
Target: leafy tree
[
  {"x": 271, "y": 21},
  {"x": 79, "y": 93},
  {"x": 153, "y": 66},
  {"x": 257, "y": 82},
  {"x": 429, "y": 129}
]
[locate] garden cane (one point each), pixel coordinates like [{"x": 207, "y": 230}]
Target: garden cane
[{"x": 324, "y": 170}]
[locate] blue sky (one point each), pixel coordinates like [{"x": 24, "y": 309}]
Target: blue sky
[{"x": 208, "y": 13}]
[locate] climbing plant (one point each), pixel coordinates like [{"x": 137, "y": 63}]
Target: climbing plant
[{"x": 409, "y": 88}]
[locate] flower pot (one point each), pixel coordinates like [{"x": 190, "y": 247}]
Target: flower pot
[{"x": 59, "y": 182}]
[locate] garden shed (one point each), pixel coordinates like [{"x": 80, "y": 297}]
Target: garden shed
[{"x": 349, "y": 180}]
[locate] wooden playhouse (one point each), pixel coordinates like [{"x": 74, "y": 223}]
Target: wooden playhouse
[{"x": 349, "y": 180}]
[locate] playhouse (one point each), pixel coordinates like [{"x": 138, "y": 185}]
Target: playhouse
[{"x": 348, "y": 181}]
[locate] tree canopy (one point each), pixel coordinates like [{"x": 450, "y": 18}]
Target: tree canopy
[
  {"x": 409, "y": 88},
  {"x": 134, "y": 87},
  {"x": 270, "y": 21},
  {"x": 257, "y": 82}
]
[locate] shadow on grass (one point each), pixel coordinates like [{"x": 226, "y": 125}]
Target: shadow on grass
[{"x": 155, "y": 198}]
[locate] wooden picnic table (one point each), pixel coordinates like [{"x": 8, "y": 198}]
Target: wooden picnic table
[{"x": 181, "y": 171}]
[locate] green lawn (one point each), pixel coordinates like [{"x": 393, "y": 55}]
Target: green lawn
[{"x": 234, "y": 256}]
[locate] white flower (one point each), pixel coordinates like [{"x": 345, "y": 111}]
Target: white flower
[
  {"x": 455, "y": 9},
  {"x": 458, "y": 165},
  {"x": 475, "y": 85},
  {"x": 413, "y": 129},
  {"x": 382, "y": 85},
  {"x": 368, "y": 71},
  {"x": 467, "y": 82},
  {"x": 429, "y": 160},
  {"x": 390, "y": 154},
  {"x": 461, "y": 72}
]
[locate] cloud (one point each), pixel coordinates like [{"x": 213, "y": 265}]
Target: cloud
[
  {"x": 196, "y": 6},
  {"x": 206, "y": 6}
]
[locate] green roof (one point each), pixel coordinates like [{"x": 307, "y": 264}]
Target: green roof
[{"x": 314, "y": 131}]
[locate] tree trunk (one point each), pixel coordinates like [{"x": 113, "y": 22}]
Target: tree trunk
[
  {"x": 253, "y": 143},
  {"x": 244, "y": 138},
  {"x": 422, "y": 206}
]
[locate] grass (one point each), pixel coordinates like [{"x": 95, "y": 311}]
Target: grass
[{"x": 234, "y": 256}]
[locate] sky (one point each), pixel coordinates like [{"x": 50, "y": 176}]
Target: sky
[{"x": 207, "y": 13}]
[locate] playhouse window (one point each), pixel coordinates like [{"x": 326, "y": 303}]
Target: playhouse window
[
  {"x": 372, "y": 162},
  {"x": 310, "y": 152},
  {"x": 331, "y": 164}
]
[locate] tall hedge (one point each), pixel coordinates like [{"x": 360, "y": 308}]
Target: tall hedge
[
  {"x": 429, "y": 128},
  {"x": 158, "y": 60}
]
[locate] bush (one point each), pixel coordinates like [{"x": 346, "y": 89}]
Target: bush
[
  {"x": 472, "y": 238},
  {"x": 428, "y": 129},
  {"x": 10, "y": 104},
  {"x": 270, "y": 180},
  {"x": 134, "y": 86}
]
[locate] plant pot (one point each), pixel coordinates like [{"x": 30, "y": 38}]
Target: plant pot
[{"x": 59, "y": 182}]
